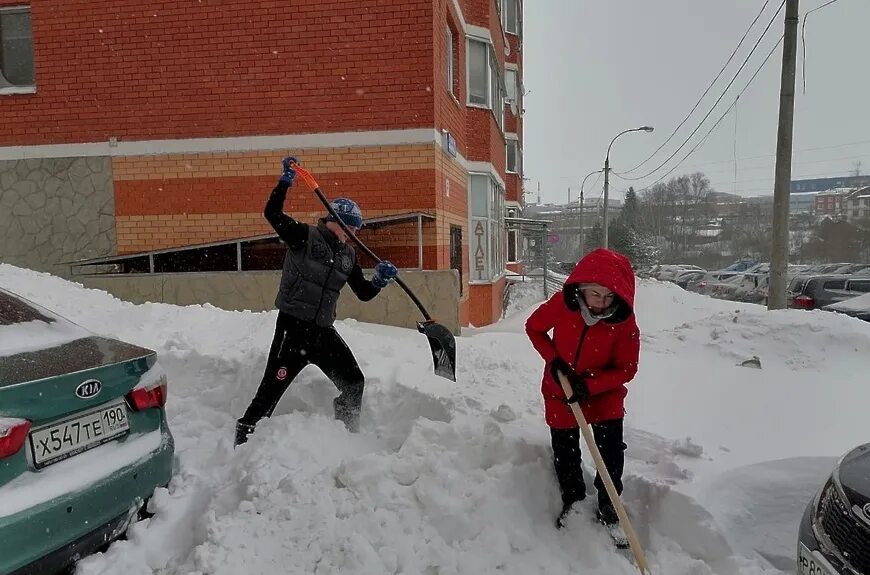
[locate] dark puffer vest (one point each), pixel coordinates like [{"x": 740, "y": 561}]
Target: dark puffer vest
[{"x": 313, "y": 277}]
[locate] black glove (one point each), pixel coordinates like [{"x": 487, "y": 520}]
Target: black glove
[{"x": 579, "y": 389}]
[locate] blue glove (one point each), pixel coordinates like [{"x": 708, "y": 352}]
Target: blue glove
[
  {"x": 289, "y": 174},
  {"x": 385, "y": 272}
]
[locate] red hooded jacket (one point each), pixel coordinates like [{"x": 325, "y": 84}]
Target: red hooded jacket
[{"x": 605, "y": 354}]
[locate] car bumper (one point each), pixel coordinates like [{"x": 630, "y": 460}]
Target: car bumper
[
  {"x": 807, "y": 538},
  {"x": 51, "y": 535}
]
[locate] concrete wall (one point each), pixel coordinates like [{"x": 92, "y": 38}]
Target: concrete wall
[
  {"x": 255, "y": 291},
  {"x": 56, "y": 210}
]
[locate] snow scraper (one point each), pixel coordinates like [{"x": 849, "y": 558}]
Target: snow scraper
[
  {"x": 634, "y": 542},
  {"x": 441, "y": 340}
]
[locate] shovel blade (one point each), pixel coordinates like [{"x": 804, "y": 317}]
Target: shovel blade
[{"x": 443, "y": 346}]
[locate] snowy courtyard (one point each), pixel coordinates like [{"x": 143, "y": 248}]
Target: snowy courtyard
[{"x": 457, "y": 478}]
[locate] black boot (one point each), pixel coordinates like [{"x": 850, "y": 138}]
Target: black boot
[
  {"x": 567, "y": 507},
  {"x": 243, "y": 430},
  {"x": 607, "y": 514}
]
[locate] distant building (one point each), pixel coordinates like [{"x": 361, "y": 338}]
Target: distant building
[
  {"x": 832, "y": 202},
  {"x": 822, "y": 184},
  {"x": 802, "y": 203},
  {"x": 856, "y": 206}
]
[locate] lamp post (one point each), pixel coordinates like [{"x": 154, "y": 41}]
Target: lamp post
[
  {"x": 583, "y": 183},
  {"x": 607, "y": 179}
]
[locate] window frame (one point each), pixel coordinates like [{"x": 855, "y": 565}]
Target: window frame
[
  {"x": 6, "y": 85},
  {"x": 506, "y": 22},
  {"x": 517, "y": 163},
  {"x": 495, "y": 88},
  {"x": 492, "y": 240},
  {"x": 450, "y": 56}
]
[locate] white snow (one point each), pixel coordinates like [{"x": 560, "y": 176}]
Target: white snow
[
  {"x": 455, "y": 478},
  {"x": 38, "y": 334}
]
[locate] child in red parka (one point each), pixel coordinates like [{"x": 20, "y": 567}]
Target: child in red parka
[{"x": 595, "y": 343}]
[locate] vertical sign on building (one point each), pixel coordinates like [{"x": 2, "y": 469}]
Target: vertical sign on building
[{"x": 479, "y": 251}]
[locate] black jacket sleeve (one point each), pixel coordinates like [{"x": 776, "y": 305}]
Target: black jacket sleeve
[
  {"x": 293, "y": 233},
  {"x": 363, "y": 288}
]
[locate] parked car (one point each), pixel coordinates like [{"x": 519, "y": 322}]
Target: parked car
[
  {"x": 856, "y": 307},
  {"x": 667, "y": 272},
  {"x": 812, "y": 292},
  {"x": 685, "y": 277},
  {"x": 84, "y": 439},
  {"x": 834, "y": 534},
  {"x": 824, "y": 269}
]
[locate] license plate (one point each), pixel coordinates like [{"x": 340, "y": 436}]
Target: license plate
[
  {"x": 52, "y": 443},
  {"x": 810, "y": 563}
]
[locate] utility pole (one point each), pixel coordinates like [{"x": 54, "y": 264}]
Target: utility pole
[
  {"x": 583, "y": 183},
  {"x": 582, "y": 244},
  {"x": 605, "y": 230},
  {"x": 607, "y": 180},
  {"x": 781, "y": 187}
]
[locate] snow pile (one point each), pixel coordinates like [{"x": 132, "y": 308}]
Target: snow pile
[{"x": 454, "y": 478}]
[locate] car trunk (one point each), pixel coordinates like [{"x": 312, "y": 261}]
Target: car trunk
[{"x": 56, "y": 376}]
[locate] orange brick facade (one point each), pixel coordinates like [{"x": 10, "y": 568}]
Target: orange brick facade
[{"x": 164, "y": 78}]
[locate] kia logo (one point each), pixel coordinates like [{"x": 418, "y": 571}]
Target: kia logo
[
  {"x": 88, "y": 389},
  {"x": 867, "y": 510}
]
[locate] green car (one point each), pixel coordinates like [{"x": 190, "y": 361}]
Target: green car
[{"x": 84, "y": 440}]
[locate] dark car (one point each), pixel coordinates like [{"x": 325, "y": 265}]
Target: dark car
[
  {"x": 834, "y": 535},
  {"x": 812, "y": 292},
  {"x": 858, "y": 307}
]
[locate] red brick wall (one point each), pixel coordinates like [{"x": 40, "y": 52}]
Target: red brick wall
[
  {"x": 486, "y": 303},
  {"x": 111, "y": 68},
  {"x": 450, "y": 110}
]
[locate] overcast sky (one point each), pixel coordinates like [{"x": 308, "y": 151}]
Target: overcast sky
[{"x": 595, "y": 68}]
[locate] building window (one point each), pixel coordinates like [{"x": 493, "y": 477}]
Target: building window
[
  {"x": 513, "y": 154},
  {"x": 510, "y": 85},
  {"x": 16, "y": 47},
  {"x": 488, "y": 234},
  {"x": 513, "y": 237},
  {"x": 478, "y": 72},
  {"x": 511, "y": 17},
  {"x": 496, "y": 85},
  {"x": 485, "y": 79},
  {"x": 448, "y": 38}
]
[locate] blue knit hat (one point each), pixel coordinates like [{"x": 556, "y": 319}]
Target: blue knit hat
[{"x": 348, "y": 211}]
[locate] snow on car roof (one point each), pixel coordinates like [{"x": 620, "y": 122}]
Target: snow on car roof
[
  {"x": 27, "y": 327},
  {"x": 860, "y": 303}
]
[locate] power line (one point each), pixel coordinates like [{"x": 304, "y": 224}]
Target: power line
[
  {"x": 846, "y": 145},
  {"x": 771, "y": 166},
  {"x": 698, "y": 103},
  {"x": 716, "y": 103},
  {"x": 722, "y": 117}
]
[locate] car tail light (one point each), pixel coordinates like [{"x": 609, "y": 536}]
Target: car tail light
[
  {"x": 13, "y": 434},
  {"x": 804, "y": 302},
  {"x": 702, "y": 284},
  {"x": 150, "y": 391}
]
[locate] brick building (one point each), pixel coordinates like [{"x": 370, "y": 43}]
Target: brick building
[
  {"x": 133, "y": 126},
  {"x": 831, "y": 202}
]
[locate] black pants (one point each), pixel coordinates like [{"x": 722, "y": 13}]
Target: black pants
[
  {"x": 566, "y": 460},
  {"x": 296, "y": 344}
]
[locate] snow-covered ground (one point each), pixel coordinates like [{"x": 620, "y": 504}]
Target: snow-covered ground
[{"x": 456, "y": 478}]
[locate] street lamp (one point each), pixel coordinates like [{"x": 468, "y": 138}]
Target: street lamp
[
  {"x": 607, "y": 179},
  {"x": 583, "y": 183}
]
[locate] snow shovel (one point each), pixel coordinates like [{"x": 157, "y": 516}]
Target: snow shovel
[
  {"x": 441, "y": 340},
  {"x": 634, "y": 542}
]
